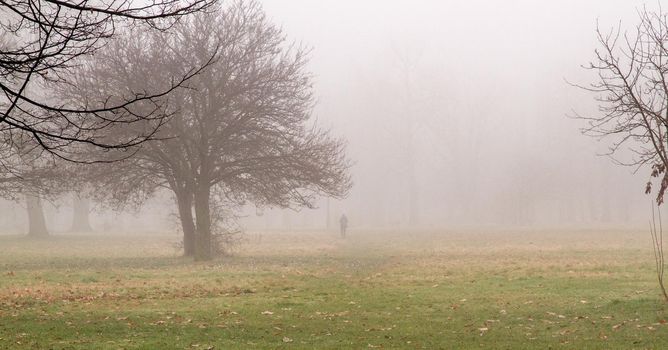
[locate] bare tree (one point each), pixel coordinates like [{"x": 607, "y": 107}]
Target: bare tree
[
  {"x": 32, "y": 177},
  {"x": 43, "y": 44},
  {"x": 632, "y": 91},
  {"x": 36, "y": 221},
  {"x": 241, "y": 133},
  {"x": 81, "y": 213}
]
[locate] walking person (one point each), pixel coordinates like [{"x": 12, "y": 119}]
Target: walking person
[{"x": 343, "y": 223}]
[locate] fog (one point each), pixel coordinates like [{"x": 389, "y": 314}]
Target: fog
[
  {"x": 333, "y": 174},
  {"x": 455, "y": 113}
]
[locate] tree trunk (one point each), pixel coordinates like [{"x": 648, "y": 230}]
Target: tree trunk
[
  {"x": 413, "y": 198},
  {"x": 184, "y": 202},
  {"x": 36, "y": 221},
  {"x": 80, "y": 218},
  {"x": 203, "y": 249},
  {"x": 329, "y": 226}
]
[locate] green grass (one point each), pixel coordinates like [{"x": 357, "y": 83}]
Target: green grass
[{"x": 382, "y": 289}]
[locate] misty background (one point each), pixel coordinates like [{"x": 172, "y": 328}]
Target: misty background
[{"x": 455, "y": 114}]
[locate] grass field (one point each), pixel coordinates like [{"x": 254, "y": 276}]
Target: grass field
[{"x": 313, "y": 290}]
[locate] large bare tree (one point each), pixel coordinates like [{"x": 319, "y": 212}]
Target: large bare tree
[{"x": 241, "y": 133}]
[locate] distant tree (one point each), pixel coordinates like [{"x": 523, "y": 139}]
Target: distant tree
[
  {"x": 241, "y": 133},
  {"x": 42, "y": 43},
  {"x": 19, "y": 168},
  {"x": 407, "y": 66},
  {"x": 81, "y": 213},
  {"x": 632, "y": 91},
  {"x": 36, "y": 220},
  {"x": 30, "y": 177}
]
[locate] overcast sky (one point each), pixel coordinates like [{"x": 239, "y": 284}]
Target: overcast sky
[{"x": 472, "y": 95}]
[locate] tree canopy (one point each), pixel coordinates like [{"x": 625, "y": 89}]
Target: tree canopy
[
  {"x": 632, "y": 92},
  {"x": 241, "y": 133},
  {"x": 42, "y": 46}
]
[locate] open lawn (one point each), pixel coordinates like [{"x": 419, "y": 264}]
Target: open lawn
[{"x": 313, "y": 290}]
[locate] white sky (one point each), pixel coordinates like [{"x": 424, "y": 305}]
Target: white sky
[{"x": 489, "y": 101}]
